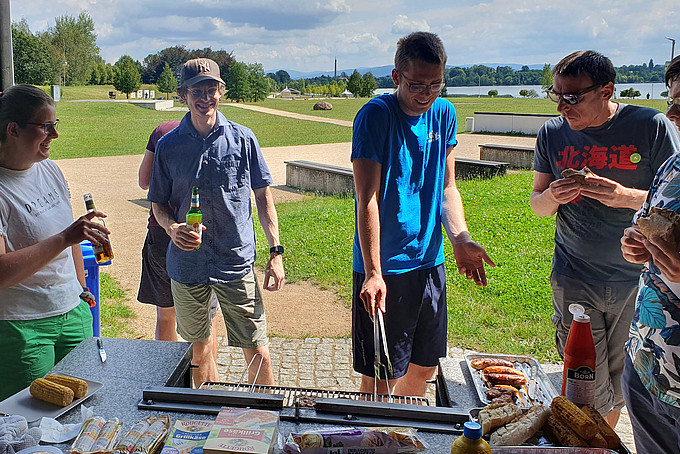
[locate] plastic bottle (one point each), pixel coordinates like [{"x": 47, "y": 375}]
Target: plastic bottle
[
  {"x": 471, "y": 442},
  {"x": 580, "y": 359}
]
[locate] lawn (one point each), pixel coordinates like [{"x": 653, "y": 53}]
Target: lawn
[{"x": 511, "y": 315}]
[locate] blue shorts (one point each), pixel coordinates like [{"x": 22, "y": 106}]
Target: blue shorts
[
  {"x": 656, "y": 425},
  {"x": 415, "y": 321}
]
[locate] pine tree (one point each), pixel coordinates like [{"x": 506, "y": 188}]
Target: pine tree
[{"x": 166, "y": 81}]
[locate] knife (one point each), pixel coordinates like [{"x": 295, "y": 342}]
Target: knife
[{"x": 102, "y": 352}]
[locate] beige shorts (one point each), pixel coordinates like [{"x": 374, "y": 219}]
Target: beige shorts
[{"x": 241, "y": 304}]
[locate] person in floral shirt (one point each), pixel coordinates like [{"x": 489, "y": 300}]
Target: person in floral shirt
[{"x": 651, "y": 376}]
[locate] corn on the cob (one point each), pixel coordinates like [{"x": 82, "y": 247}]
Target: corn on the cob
[
  {"x": 572, "y": 416},
  {"x": 613, "y": 440},
  {"x": 78, "y": 386},
  {"x": 52, "y": 392},
  {"x": 557, "y": 431}
]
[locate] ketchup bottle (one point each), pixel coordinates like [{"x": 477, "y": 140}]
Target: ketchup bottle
[{"x": 578, "y": 377}]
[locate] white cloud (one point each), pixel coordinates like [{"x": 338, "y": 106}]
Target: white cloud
[{"x": 402, "y": 24}]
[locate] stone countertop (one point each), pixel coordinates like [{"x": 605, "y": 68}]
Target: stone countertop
[{"x": 133, "y": 365}]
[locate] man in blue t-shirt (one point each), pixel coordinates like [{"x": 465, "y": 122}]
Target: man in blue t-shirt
[
  {"x": 624, "y": 146},
  {"x": 403, "y": 161}
]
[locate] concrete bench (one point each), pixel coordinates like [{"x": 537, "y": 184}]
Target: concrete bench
[
  {"x": 516, "y": 157},
  {"x": 330, "y": 179},
  {"x": 477, "y": 168},
  {"x": 507, "y": 122},
  {"x": 314, "y": 176}
]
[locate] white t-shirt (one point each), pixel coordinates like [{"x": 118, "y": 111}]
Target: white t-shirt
[{"x": 34, "y": 205}]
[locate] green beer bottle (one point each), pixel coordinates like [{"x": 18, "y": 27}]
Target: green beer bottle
[{"x": 194, "y": 215}]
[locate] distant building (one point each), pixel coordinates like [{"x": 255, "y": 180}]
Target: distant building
[
  {"x": 347, "y": 94},
  {"x": 289, "y": 93}
]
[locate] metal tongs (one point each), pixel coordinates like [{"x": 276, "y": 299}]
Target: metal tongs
[{"x": 378, "y": 335}]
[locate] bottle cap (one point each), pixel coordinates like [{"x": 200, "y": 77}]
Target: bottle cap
[
  {"x": 576, "y": 309},
  {"x": 472, "y": 430},
  {"x": 582, "y": 318}
]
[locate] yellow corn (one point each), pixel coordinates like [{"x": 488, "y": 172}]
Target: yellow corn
[
  {"x": 557, "y": 431},
  {"x": 51, "y": 392},
  {"x": 613, "y": 440},
  {"x": 78, "y": 386},
  {"x": 567, "y": 412}
]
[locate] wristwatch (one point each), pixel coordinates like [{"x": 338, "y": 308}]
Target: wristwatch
[{"x": 276, "y": 250}]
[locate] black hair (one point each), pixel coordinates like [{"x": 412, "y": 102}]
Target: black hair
[
  {"x": 424, "y": 47},
  {"x": 673, "y": 71},
  {"x": 587, "y": 62}
]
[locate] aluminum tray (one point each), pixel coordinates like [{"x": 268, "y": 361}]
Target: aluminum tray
[{"x": 545, "y": 391}]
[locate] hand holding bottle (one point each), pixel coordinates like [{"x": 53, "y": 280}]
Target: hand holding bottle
[{"x": 85, "y": 229}]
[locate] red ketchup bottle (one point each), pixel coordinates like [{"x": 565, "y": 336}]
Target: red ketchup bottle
[{"x": 578, "y": 377}]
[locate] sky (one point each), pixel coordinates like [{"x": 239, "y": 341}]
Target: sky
[{"x": 307, "y": 35}]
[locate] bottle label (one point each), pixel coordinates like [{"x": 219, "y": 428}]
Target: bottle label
[{"x": 580, "y": 385}]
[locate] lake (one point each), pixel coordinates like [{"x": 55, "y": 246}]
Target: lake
[{"x": 654, "y": 89}]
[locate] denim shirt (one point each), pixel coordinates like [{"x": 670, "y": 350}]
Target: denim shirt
[{"x": 225, "y": 166}]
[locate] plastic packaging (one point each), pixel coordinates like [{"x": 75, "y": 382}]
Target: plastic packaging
[
  {"x": 580, "y": 359},
  {"x": 471, "y": 442}
]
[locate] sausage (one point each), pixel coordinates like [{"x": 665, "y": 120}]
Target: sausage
[
  {"x": 502, "y": 370},
  {"x": 483, "y": 363},
  {"x": 505, "y": 379}
]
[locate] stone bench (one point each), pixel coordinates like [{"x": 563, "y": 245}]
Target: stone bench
[
  {"x": 330, "y": 179},
  {"x": 516, "y": 157},
  {"x": 314, "y": 176},
  {"x": 479, "y": 168}
]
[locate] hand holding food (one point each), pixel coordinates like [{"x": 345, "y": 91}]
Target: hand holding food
[
  {"x": 578, "y": 176},
  {"x": 663, "y": 223}
]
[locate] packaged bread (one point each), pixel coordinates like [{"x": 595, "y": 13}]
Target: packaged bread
[
  {"x": 127, "y": 443},
  {"x": 97, "y": 436},
  {"x": 366, "y": 440},
  {"x": 153, "y": 437}
]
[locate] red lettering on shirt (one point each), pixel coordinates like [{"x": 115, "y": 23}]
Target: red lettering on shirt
[
  {"x": 623, "y": 161},
  {"x": 598, "y": 158}
]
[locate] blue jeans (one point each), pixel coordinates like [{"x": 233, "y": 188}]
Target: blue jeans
[{"x": 656, "y": 425}]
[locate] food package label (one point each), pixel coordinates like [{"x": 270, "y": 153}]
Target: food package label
[
  {"x": 242, "y": 430},
  {"x": 187, "y": 437}
]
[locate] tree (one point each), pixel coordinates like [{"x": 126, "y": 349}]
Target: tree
[
  {"x": 32, "y": 61},
  {"x": 651, "y": 63},
  {"x": 236, "y": 80},
  {"x": 166, "y": 81},
  {"x": 546, "y": 77},
  {"x": 259, "y": 87},
  {"x": 368, "y": 85},
  {"x": 630, "y": 93},
  {"x": 532, "y": 94},
  {"x": 524, "y": 93},
  {"x": 354, "y": 83},
  {"x": 127, "y": 78},
  {"x": 493, "y": 93},
  {"x": 74, "y": 40}
]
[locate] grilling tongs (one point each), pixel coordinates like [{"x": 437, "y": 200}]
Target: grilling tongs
[{"x": 378, "y": 333}]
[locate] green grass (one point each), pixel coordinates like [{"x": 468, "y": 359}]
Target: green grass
[
  {"x": 114, "y": 313},
  {"x": 511, "y": 315}
]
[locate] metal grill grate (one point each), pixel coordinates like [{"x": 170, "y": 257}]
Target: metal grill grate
[{"x": 291, "y": 394}]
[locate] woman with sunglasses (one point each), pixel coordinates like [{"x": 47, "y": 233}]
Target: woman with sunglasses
[
  {"x": 651, "y": 373},
  {"x": 42, "y": 317}
]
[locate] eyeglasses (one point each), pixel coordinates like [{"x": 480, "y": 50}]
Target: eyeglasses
[
  {"x": 47, "y": 127},
  {"x": 420, "y": 88},
  {"x": 673, "y": 102},
  {"x": 200, "y": 92},
  {"x": 569, "y": 98}
]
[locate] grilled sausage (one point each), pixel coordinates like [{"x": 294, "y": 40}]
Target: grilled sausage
[
  {"x": 505, "y": 379},
  {"x": 483, "y": 363},
  {"x": 502, "y": 370}
]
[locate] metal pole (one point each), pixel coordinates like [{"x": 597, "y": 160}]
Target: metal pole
[
  {"x": 6, "y": 57},
  {"x": 672, "y": 46}
]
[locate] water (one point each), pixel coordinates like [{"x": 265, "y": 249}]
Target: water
[{"x": 654, "y": 90}]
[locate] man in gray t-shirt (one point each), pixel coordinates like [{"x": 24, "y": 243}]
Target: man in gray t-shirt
[{"x": 624, "y": 146}]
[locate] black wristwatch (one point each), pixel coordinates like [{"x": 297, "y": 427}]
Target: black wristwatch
[{"x": 276, "y": 250}]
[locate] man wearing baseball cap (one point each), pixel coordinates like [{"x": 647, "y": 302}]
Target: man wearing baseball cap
[{"x": 223, "y": 159}]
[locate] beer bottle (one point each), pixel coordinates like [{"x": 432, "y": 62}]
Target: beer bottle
[
  {"x": 102, "y": 251},
  {"x": 578, "y": 377},
  {"x": 194, "y": 215}
]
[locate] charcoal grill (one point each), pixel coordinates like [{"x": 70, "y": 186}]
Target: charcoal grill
[{"x": 303, "y": 404}]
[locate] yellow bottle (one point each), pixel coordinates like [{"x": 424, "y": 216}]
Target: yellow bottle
[{"x": 471, "y": 442}]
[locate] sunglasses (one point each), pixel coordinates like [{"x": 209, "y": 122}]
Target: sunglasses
[
  {"x": 569, "y": 98},
  {"x": 200, "y": 92},
  {"x": 47, "y": 127},
  {"x": 420, "y": 88}
]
